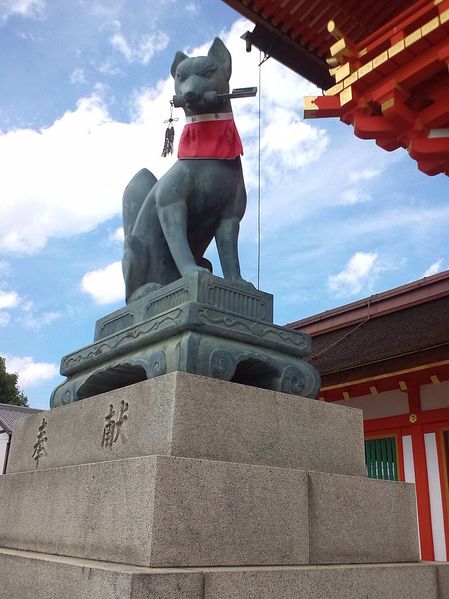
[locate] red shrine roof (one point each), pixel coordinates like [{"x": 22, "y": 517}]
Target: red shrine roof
[
  {"x": 389, "y": 336},
  {"x": 383, "y": 66},
  {"x": 417, "y": 292},
  {"x": 295, "y": 31}
]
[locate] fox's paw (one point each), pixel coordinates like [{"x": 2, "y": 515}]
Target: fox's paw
[
  {"x": 242, "y": 283},
  {"x": 142, "y": 291},
  {"x": 196, "y": 268}
]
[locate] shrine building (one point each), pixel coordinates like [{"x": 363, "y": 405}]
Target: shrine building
[
  {"x": 388, "y": 354},
  {"x": 382, "y": 66}
]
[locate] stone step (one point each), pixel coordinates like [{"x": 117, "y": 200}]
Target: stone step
[
  {"x": 192, "y": 416},
  {"x": 373, "y": 581},
  {"x": 165, "y": 511},
  {"x": 26, "y": 575},
  {"x": 30, "y": 575}
]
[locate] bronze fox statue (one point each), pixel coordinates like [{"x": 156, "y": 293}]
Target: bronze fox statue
[{"x": 169, "y": 223}]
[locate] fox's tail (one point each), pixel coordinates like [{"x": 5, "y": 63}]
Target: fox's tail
[
  {"x": 133, "y": 197},
  {"x": 135, "y": 259}
]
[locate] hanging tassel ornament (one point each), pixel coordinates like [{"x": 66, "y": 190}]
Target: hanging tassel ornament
[{"x": 169, "y": 133}]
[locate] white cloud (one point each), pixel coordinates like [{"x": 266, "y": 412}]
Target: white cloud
[
  {"x": 106, "y": 10},
  {"x": 143, "y": 50},
  {"x": 291, "y": 141},
  {"x": 5, "y": 319},
  {"x": 120, "y": 44},
  {"x": 108, "y": 68},
  {"x": 23, "y": 8},
  {"x": 420, "y": 220},
  {"x": 105, "y": 285},
  {"x": 357, "y": 274},
  {"x": 192, "y": 7},
  {"x": 9, "y": 299},
  {"x": 433, "y": 268},
  {"x": 117, "y": 235},
  {"x": 30, "y": 373},
  {"x": 352, "y": 196},
  {"x": 26, "y": 313},
  {"x": 31, "y": 320},
  {"x": 78, "y": 76},
  {"x": 76, "y": 170},
  {"x": 363, "y": 175}
]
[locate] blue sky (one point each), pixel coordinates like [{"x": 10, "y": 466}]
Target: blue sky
[{"x": 84, "y": 90}]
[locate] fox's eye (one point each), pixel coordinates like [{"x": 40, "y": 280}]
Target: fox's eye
[
  {"x": 208, "y": 74},
  {"x": 180, "y": 77}
]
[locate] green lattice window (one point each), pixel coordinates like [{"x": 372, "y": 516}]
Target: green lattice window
[{"x": 381, "y": 459}]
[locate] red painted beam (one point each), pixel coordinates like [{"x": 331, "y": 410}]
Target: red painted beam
[
  {"x": 423, "y": 148},
  {"x": 374, "y": 127}
]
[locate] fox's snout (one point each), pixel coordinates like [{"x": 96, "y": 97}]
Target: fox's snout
[
  {"x": 193, "y": 89},
  {"x": 191, "y": 96}
]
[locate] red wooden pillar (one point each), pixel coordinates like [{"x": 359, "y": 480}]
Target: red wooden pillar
[
  {"x": 421, "y": 478},
  {"x": 443, "y": 455}
]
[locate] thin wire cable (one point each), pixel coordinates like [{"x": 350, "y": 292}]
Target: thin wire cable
[
  {"x": 259, "y": 173},
  {"x": 340, "y": 339}
]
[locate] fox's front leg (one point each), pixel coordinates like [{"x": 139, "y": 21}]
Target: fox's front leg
[
  {"x": 227, "y": 232},
  {"x": 172, "y": 212},
  {"x": 226, "y": 237}
]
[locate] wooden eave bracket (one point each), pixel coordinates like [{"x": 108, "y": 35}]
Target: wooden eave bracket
[
  {"x": 379, "y": 93},
  {"x": 321, "y": 107}
]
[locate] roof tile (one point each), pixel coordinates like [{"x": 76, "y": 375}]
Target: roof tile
[{"x": 10, "y": 414}]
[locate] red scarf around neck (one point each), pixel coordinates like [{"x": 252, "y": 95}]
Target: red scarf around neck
[{"x": 212, "y": 135}]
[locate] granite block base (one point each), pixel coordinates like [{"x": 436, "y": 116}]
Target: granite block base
[
  {"x": 191, "y": 416},
  {"x": 27, "y": 575},
  {"x": 159, "y": 511},
  {"x": 163, "y": 511}
]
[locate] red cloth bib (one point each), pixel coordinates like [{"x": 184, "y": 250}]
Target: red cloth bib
[{"x": 211, "y": 136}]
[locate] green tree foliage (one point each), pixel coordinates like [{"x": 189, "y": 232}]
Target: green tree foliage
[{"x": 9, "y": 391}]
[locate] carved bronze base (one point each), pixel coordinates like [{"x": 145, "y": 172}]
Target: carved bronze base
[{"x": 199, "y": 324}]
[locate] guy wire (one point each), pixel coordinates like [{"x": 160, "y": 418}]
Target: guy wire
[{"x": 258, "y": 172}]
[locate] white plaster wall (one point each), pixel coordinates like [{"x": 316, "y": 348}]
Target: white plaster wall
[
  {"x": 407, "y": 454},
  {"x": 389, "y": 403},
  {"x": 409, "y": 468},
  {"x": 3, "y": 443},
  {"x": 434, "y": 397},
  {"x": 436, "y": 501}
]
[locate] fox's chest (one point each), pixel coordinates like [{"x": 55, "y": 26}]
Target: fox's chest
[{"x": 210, "y": 185}]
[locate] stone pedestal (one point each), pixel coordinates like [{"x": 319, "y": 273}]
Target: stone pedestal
[
  {"x": 200, "y": 324},
  {"x": 189, "y": 487}
]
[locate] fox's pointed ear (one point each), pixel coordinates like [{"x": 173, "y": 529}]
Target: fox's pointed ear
[
  {"x": 180, "y": 56},
  {"x": 220, "y": 53}
]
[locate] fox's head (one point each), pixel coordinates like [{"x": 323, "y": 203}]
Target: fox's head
[{"x": 197, "y": 78}]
